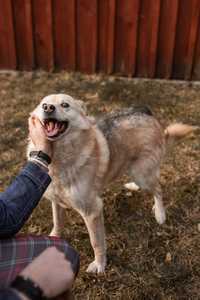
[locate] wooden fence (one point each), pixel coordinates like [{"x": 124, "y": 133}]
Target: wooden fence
[{"x": 140, "y": 38}]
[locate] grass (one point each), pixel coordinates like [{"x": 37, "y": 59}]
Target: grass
[{"x": 145, "y": 260}]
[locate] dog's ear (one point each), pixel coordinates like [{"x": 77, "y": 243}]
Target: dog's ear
[{"x": 81, "y": 105}]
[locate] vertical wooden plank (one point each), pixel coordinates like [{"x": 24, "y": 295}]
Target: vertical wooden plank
[
  {"x": 126, "y": 36},
  {"x": 106, "y": 34},
  {"x": 7, "y": 38},
  {"x": 185, "y": 38},
  {"x": 86, "y": 35},
  {"x": 148, "y": 34},
  {"x": 196, "y": 65},
  {"x": 166, "y": 37},
  {"x": 23, "y": 33},
  {"x": 64, "y": 33},
  {"x": 42, "y": 20},
  {"x": 192, "y": 38}
]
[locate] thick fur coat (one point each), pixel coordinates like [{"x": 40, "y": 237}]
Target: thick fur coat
[{"x": 87, "y": 155}]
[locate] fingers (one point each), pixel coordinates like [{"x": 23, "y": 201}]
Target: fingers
[
  {"x": 35, "y": 128},
  {"x": 37, "y": 123},
  {"x": 33, "y": 121}
]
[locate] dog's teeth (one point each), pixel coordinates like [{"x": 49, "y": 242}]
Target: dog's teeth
[{"x": 62, "y": 127}]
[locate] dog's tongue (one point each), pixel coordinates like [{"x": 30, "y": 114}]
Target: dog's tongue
[{"x": 52, "y": 128}]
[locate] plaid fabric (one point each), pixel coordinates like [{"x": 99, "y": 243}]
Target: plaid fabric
[{"x": 16, "y": 253}]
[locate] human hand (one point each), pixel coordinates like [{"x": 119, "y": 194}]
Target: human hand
[
  {"x": 38, "y": 136},
  {"x": 51, "y": 271}
]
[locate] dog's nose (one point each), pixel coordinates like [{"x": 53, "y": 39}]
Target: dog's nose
[{"x": 48, "y": 108}]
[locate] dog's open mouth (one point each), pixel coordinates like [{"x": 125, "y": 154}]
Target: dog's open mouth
[{"x": 54, "y": 128}]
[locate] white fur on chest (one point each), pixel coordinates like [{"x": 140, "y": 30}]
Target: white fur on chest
[
  {"x": 73, "y": 175},
  {"x": 77, "y": 170}
]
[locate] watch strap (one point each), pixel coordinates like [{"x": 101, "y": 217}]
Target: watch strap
[
  {"x": 28, "y": 288},
  {"x": 41, "y": 155}
]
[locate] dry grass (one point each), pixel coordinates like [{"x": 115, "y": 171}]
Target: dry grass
[{"x": 145, "y": 261}]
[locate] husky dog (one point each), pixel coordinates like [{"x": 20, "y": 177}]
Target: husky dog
[{"x": 88, "y": 154}]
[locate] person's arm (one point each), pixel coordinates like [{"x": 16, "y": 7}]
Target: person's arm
[{"x": 21, "y": 197}]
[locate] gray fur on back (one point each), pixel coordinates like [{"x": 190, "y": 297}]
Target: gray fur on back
[{"x": 109, "y": 121}]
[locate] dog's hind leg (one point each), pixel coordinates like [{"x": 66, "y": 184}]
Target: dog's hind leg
[
  {"x": 58, "y": 216},
  {"x": 95, "y": 226},
  {"x": 146, "y": 174},
  {"x": 158, "y": 207}
]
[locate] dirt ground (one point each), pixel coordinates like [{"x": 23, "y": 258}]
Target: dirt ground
[{"x": 145, "y": 260}]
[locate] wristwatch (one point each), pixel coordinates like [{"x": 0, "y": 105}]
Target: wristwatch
[
  {"x": 28, "y": 288},
  {"x": 41, "y": 156}
]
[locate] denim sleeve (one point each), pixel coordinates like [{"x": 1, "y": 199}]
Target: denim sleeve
[
  {"x": 9, "y": 294},
  {"x": 21, "y": 197}
]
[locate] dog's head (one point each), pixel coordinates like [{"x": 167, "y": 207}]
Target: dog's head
[{"x": 60, "y": 114}]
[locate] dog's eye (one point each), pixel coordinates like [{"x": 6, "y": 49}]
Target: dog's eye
[{"x": 65, "y": 105}]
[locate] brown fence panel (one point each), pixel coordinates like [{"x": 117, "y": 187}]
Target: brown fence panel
[
  {"x": 186, "y": 34},
  {"x": 64, "y": 34},
  {"x": 86, "y": 35},
  {"x": 126, "y": 36},
  {"x": 166, "y": 38},
  {"x": 196, "y": 66},
  {"x": 23, "y": 32},
  {"x": 142, "y": 38},
  {"x": 192, "y": 38},
  {"x": 148, "y": 36},
  {"x": 7, "y": 40},
  {"x": 42, "y": 23},
  {"x": 106, "y": 35}
]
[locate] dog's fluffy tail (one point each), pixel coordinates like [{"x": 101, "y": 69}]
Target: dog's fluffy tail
[{"x": 177, "y": 131}]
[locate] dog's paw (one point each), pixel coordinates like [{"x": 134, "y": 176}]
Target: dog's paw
[
  {"x": 131, "y": 186},
  {"x": 160, "y": 214},
  {"x": 55, "y": 233},
  {"x": 96, "y": 267}
]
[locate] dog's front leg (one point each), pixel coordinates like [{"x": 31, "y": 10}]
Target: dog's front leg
[
  {"x": 58, "y": 216},
  {"x": 95, "y": 226}
]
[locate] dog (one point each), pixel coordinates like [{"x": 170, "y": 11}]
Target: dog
[{"x": 89, "y": 154}]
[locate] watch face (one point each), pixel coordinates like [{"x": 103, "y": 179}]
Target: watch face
[{"x": 44, "y": 156}]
